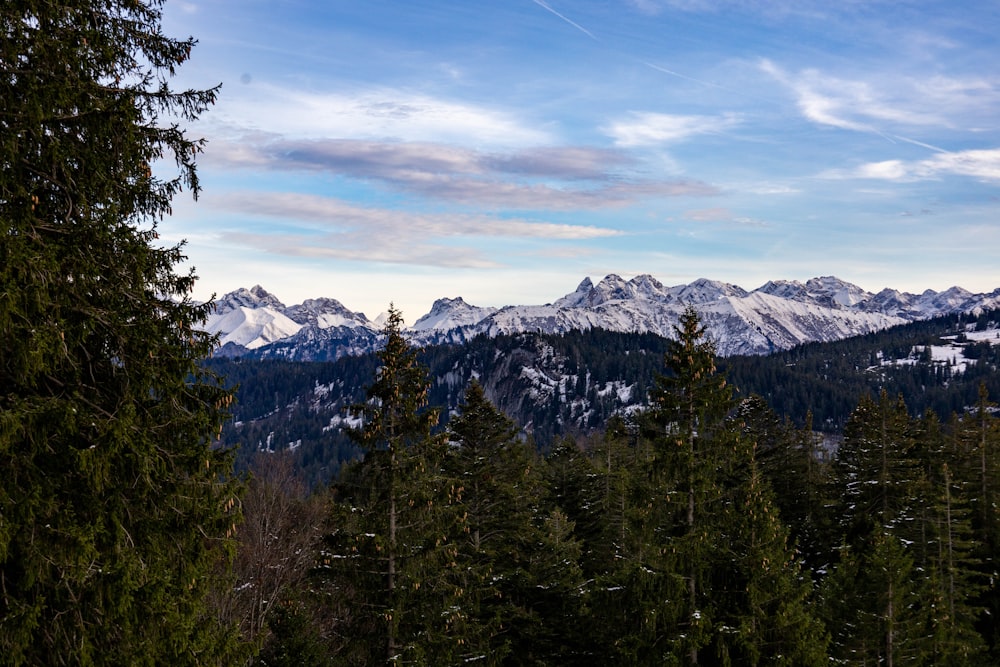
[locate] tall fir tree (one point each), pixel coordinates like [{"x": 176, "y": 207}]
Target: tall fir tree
[
  {"x": 882, "y": 502},
  {"x": 878, "y": 472},
  {"x": 870, "y": 602},
  {"x": 766, "y": 594},
  {"x": 976, "y": 449},
  {"x": 390, "y": 561},
  {"x": 519, "y": 557},
  {"x": 955, "y": 581},
  {"x": 694, "y": 447},
  {"x": 790, "y": 460},
  {"x": 114, "y": 504},
  {"x": 499, "y": 488}
]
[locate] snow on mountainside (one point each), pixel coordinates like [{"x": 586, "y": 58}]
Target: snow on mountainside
[
  {"x": 256, "y": 320},
  {"x": 777, "y": 315},
  {"x": 326, "y": 313},
  {"x": 448, "y": 314},
  {"x": 250, "y": 318}
]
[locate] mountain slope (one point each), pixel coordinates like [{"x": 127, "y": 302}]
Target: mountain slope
[
  {"x": 571, "y": 384},
  {"x": 777, "y": 316}
]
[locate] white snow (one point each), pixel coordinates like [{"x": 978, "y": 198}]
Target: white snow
[
  {"x": 775, "y": 316},
  {"x": 250, "y": 327}
]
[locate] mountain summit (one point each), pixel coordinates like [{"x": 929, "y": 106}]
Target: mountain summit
[{"x": 778, "y": 315}]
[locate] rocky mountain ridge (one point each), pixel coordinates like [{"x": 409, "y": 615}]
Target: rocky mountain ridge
[{"x": 776, "y": 316}]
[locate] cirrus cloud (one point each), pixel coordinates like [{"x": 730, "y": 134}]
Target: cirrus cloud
[
  {"x": 333, "y": 228},
  {"x": 983, "y": 165},
  {"x": 645, "y": 128},
  {"x": 545, "y": 178}
]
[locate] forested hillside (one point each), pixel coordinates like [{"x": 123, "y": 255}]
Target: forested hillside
[
  {"x": 704, "y": 529},
  {"x": 571, "y": 384}
]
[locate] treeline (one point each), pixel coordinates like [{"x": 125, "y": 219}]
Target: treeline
[
  {"x": 593, "y": 376},
  {"x": 702, "y": 530},
  {"x": 825, "y": 379}
]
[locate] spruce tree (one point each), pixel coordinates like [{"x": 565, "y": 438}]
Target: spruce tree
[
  {"x": 878, "y": 472},
  {"x": 694, "y": 454},
  {"x": 882, "y": 499},
  {"x": 390, "y": 563},
  {"x": 500, "y": 488},
  {"x": 114, "y": 504},
  {"x": 976, "y": 449},
  {"x": 765, "y": 592},
  {"x": 871, "y": 600}
]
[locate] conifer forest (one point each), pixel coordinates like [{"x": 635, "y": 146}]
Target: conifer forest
[
  {"x": 702, "y": 530},
  {"x": 705, "y": 528}
]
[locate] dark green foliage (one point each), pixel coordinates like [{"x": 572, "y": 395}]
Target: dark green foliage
[
  {"x": 871, "y": 603},
  {"x": 909, "y": 581},
  {"x": 826, "y": 379},
  {"x": 878, "y": 472},
  {"x": 691, "y": 532},
  {"x": 689, "y": 560},
  {"x": 390, "y": 562},
  {"x": 592, "y": 376},
  {"x": 694, "y": 451},
  {"x": 975, "y": 448},
  {"x": 294, "y": 642},
  {"x": 793, "y": 464},
  {"x": 522, "y": 580},
  {"x": 764, "y": 595},
  {"x": 115, "y": 505}
]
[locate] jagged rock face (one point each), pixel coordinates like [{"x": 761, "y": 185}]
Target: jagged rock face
[
  {"x": 325, "y": 313},
  {"x": 778, "y": 315},
  {"x": 254, "y": 298},
  {"x": 450, "y": 314}
]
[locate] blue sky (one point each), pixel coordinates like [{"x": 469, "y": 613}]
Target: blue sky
[{"x": 502, "y": 150}]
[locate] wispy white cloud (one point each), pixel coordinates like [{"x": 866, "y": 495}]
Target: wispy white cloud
[
  {"x": 382, "y": 113},
  {"x": 709, "y": 214},
  {"x": 328, "y": 212},
  {"x": 315, "y": 226},
  {"x": 892, "y": 170},
  {"x": 983, "y": 165},
  {"x": 721, "y": 214},
  {"x": 846, "y": 104},
  {"x": 980, "y": 164},
  {"x": 645, "y": 128},
  {"x": 547, "y": 178},
  {"x": 767, "y": 188},
  {"x": 880, "y": 105},
  {"x": 391, "y": 251},
  {"x": 403, "y": 160}
]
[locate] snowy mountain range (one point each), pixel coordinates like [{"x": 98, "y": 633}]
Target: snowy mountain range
[{"x": 776, "y": 316}]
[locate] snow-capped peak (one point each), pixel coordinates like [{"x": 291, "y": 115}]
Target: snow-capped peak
[
  {"x": 704, "y": 290},
  {"x": 324, "y": 313},
  {"x": 447, "y": 314},
  {"x": 832, "y": 291},
  {"x": 777, "y": 315},
  {"x": 251, "y": 327},
  {"x": 255, "y": 297}
]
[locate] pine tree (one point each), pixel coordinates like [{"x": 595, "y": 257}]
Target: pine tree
[
  {"x": 500, "y": 489},
  {"x": 693, "y": 459},
  {"x": 870, "y": 601},
  {"x": 883, "y": 498},
  {"x": 789, "y": 459},
  {"x": 390, "y": 562},
  {"x": 114, "y": 504},
  {"x": 976, "y": 450},
  {"x": 766, "y": 594},
  {"x": 954, "y": 581},
  {"x": 878, "y": 472}
]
